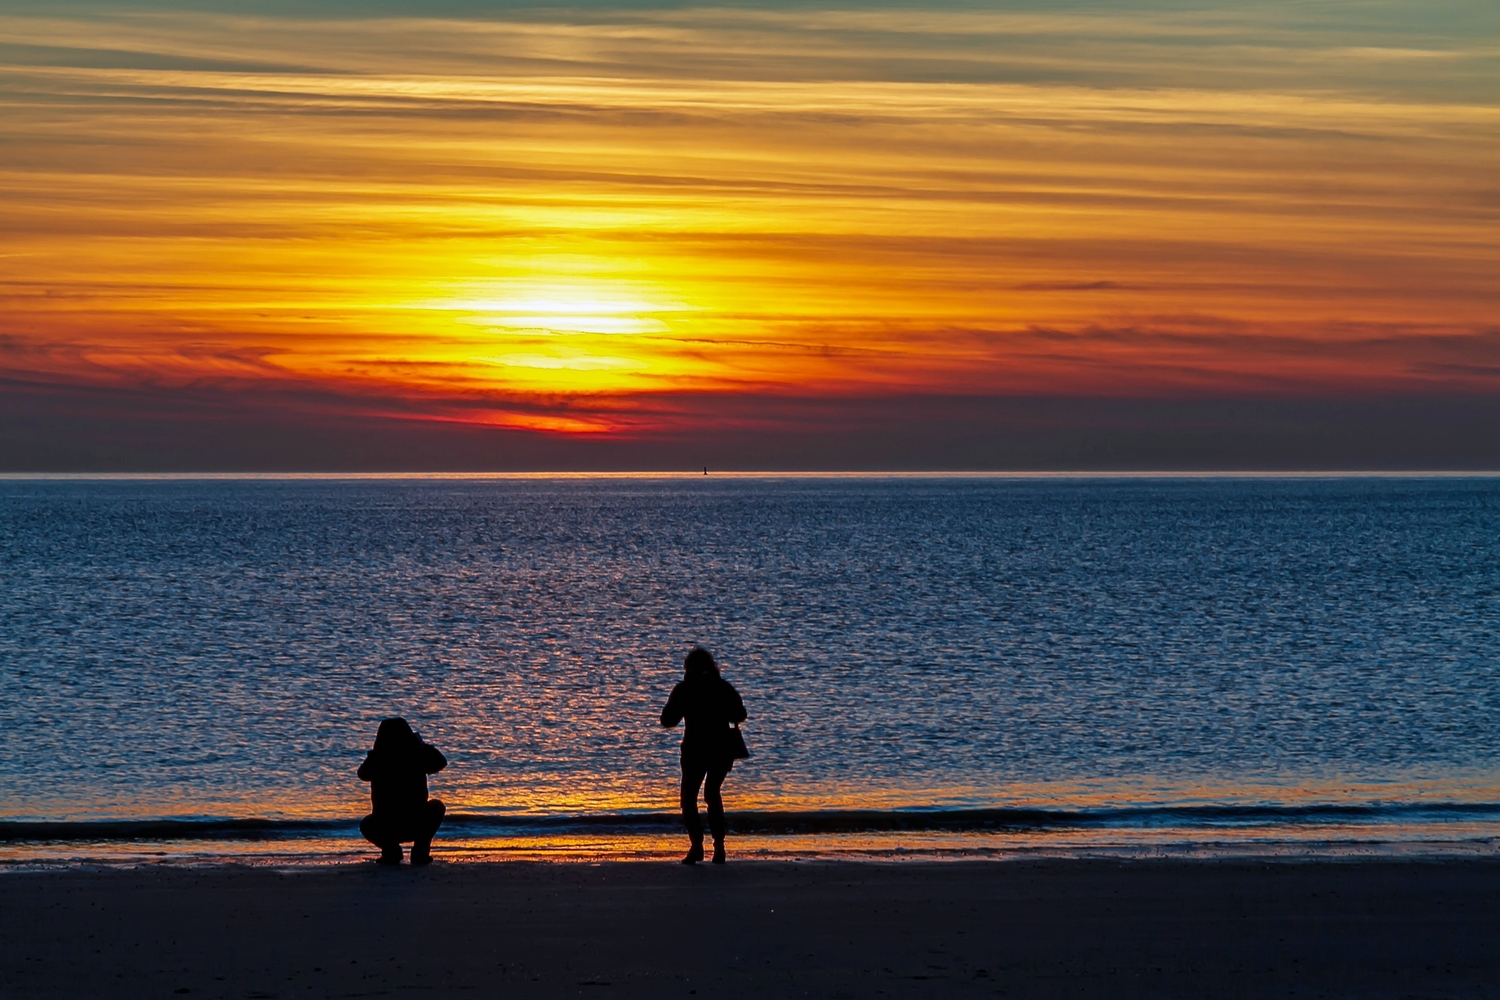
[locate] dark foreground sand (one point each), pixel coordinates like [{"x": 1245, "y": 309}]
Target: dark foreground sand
[{"x": 765, "y": 929}]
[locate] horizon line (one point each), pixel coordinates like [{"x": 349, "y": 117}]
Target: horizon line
[{"x": 773, "y": 474}]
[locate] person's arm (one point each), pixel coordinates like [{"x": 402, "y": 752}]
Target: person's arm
[
  {"x": 672, "y": 714},
  {"x": 367, "y": 769},
  {"x": 433, "y": 760},
  {"x": 735, "y": 705}
]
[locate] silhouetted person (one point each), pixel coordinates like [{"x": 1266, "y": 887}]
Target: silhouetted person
[
  {"x": 397, "y": 769},
  {"x": 710, "y": 704}
]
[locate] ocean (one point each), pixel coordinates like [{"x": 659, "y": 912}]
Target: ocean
[{"x": 192, "y": 668}]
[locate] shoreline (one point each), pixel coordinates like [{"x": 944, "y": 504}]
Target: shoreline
[
  {"x": 325, "y": 854},
  {"x": 1031, "y": 927},
  {"x": 1327, "y": 830}
]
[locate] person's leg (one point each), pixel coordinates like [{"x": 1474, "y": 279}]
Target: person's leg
[
  {"x": 716, "y": 775},
  {"x": 693, "y": 771},
  {"x": 379, "y": 832},
  {"x": 426, "y": 826}
]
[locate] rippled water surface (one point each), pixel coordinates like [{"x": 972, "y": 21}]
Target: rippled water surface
[{"x": 195, "y": 648}]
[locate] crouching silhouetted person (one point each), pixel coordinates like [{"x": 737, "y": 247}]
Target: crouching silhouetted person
[
  {"x": 710, "y": 704},
  {"x": 397, "y": 769}
]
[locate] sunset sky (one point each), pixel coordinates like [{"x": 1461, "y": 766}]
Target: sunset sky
[{"x": 483, "y": 235}]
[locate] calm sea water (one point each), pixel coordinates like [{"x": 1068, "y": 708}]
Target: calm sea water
[{"x": 928, "y": 663}]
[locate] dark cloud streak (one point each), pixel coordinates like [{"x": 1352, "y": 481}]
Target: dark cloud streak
[{"x": 49, "y": 428}]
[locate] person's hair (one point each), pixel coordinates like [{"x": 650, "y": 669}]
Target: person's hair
[
  {"x": 700, "y": 661},
  {"x": 393, "y": 733}
]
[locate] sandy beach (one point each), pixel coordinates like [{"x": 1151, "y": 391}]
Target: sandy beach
[{"x": 826, "y": 929}]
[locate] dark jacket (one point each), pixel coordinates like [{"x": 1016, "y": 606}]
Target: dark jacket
[
  {"x": 398, "y": 776},
  {"x": 709, "y": 703}
]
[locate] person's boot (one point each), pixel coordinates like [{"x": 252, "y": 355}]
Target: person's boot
[
  {"x": 694, "y": 854},
  {"x": 421, "y": 854},
  {"x": 718, "y": 850},
  {"x": 390, "y": 856}
]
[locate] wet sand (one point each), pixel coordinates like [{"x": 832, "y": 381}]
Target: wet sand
[{"x": 764, "y": 929}]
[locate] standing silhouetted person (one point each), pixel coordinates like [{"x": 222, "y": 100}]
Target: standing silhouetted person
[
  {"x": 710, "y": 704},
  {"x": 397, "y": 769}
]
